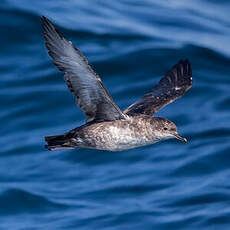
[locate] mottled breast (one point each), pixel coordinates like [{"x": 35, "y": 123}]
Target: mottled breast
[{"x": 117, "y": 135}]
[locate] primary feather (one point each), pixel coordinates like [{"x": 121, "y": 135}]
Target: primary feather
[{"x": 83, "y": 82}]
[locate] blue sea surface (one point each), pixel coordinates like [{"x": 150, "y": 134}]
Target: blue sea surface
[{"x": 131, "y": 45}]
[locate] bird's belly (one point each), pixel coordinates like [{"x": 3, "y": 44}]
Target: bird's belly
[
  {"x": 117, "y": 139},
  {"x": 128, "y": 143}
]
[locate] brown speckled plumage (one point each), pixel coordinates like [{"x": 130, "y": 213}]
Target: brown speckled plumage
[{"x": 107, "y": 127}]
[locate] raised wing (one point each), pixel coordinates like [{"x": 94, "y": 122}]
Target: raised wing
[
  {"x": 172, "y": 86},
  {"x": 82, "y": 81}
]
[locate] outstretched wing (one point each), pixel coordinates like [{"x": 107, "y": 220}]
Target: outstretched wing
[
  {"x": 82, "y": 81},
  {"x": 172, "y": 86}
]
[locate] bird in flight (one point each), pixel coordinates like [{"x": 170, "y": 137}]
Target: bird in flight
[{"x": 107, "y": 127}]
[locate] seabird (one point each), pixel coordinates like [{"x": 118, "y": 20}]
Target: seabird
[{"x": 107, "y": 127}]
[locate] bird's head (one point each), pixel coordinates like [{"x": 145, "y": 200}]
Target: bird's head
[{"x": 166, "y": 129}]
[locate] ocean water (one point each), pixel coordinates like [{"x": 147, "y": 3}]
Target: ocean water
[{"x": 130, "y": 44}]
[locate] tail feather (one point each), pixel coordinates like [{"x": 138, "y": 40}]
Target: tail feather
[{"x": 58, "y": 142}]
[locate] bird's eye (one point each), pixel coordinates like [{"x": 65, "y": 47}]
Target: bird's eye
[{"x": 165, "y": 128}]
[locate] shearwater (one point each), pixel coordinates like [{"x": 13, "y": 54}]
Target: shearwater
[{"x": 107, "y": 127}]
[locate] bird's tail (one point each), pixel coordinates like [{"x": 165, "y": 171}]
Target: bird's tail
[{"x": 58, "y": 142}]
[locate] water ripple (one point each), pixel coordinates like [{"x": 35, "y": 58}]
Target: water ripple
[{"x": 131, "y": 45}]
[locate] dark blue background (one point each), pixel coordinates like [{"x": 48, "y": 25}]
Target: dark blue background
[{"x": 130, "y": 44}]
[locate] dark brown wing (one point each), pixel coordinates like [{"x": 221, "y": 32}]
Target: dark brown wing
[
  {"x": 82, "y": 81},
  {"x": 172, "y": 86}
]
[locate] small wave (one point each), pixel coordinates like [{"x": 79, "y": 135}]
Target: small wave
[{"x": 20, "y": 201}]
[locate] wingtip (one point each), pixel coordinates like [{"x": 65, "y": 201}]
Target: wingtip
[
  {"x": 46, "y": 23},
  {"x": 184, "y": 63},
  {"x": 188, "y": 70},
  {"x": 187, "y": 63},
  {"x": 49, "y": 28},
  {"x": 44, "y": 19},
  {"x": 183, "y": 70}
]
